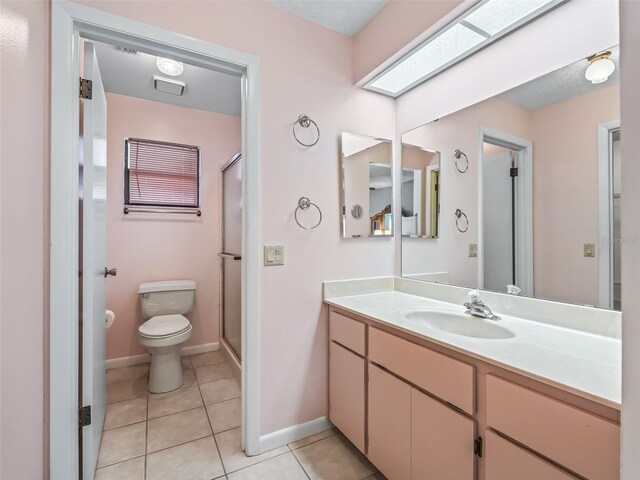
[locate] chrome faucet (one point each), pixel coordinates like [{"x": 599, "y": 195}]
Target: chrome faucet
[{"x": 476, "y": 307}]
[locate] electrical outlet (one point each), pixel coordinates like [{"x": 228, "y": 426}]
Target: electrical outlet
[
  {"x": 589, "y": 250},
  {"x": 473, "y": 249},
  {"x": 273, "y": 255}
]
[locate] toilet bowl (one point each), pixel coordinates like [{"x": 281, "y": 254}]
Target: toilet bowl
[{"x": 164, "y": 305}]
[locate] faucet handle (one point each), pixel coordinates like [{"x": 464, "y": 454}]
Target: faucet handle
[{"x": 474, "y": 296}]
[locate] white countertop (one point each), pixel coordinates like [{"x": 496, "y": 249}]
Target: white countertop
[{"x": 586, "y": 364}]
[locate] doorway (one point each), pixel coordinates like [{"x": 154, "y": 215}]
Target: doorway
[
  {"x": 505, "y": 243},
  {"x": 610, "y": 197},
  {"x": 70, "y": 22}
]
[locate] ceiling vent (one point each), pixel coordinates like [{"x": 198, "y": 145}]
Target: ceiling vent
[
  {"x": 130, "y": 51},
  {"x": 166, "y": 85}
]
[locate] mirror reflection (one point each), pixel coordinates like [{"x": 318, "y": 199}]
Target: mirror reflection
[
  {"x": 367, "y": 190},
  {"x": 535, "y": 171},
  {"x": 420, "y": 191}
]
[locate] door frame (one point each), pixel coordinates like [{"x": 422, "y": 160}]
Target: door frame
[
  {"x": 524, "y": 224},
  {"x": 69, "y": 21},
  {"x": 605, "y": 212}
]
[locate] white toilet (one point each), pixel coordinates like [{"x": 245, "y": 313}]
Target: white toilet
[{"x": 164, "y": 305}]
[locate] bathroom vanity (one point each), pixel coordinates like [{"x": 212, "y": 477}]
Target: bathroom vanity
[{"x": 427, "y": 392}]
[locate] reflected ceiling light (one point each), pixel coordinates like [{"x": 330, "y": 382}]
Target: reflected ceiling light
[
  {"x": 600, "y": 68},
  {"x": 169, "y": 67},
  {"x": 476, "y": 28}
]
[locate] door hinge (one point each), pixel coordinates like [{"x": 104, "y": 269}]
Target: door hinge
[
  {"x": 513, "y": 171},
  {"x": 477, "y": 447},
  {"x": 86, "y": 87},
  {"x": 84, "y": 416}
]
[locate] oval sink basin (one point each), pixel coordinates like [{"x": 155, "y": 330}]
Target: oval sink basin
[{"x": 459, "y": 324}]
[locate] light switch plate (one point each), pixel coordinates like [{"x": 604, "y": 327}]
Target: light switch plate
[
  {"x": 473, "y": 249},
  {"x": 589, "y": 250},
  {"x": 273, "y": 255}
]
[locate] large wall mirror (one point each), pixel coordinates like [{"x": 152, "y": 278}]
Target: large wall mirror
[
  {"x": 531, "y": 195},
  {"x": 367, "y": 188}
]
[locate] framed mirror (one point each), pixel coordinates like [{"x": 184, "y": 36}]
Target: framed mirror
[
  {"x": 531, "y": 204},
  {"x": 367, "y": 186},
  {"x": 420, "y": 192}
]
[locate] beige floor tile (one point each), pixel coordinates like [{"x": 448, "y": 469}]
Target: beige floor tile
[
  {"x": 117, "y": 392},
  {"x": 125, "y": 374},
  {"x": 334, "y": 458},
  {"x": 165, "y": 432},
  {"x": 122, "y": 444},
  {"x": 126, "y": 412},
  {"x": 230, "y": 445},
  {"x": 208, "y": 358},
  {"x": 313, "y": 438},
  {"x": 184, "y": 398},
  {"x": 129, "y": 470},
  {"x": 189, "y": 377},
  {"x": 198, "y": 460},
  {"x": 225, "y": 415},
  {"x": 211, "y": 373},
  {"x": 221, "y": 390},
  {"x": 282, "y": 467}
]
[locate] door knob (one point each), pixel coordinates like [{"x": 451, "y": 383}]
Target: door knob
[{"x": 110, "y": 271}]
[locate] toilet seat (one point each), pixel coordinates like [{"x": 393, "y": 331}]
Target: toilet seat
[{"x": 163, "y": 326}]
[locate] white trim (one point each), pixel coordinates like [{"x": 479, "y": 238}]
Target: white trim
[
  {"x": 69, "y": 21},
  {"x": 146, "y": 358},
  {"x": 605, "y": 213},
  {"x": 524, "y": 249},
  {"x": 293, "y": 433}
]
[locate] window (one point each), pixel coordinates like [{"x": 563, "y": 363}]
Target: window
[{"x": 160, "y": 174}]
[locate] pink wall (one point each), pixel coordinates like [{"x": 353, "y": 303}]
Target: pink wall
[
  {"x": 395, "y": 26},
  {"x": 310, "y": 75},
  {"x": 24, "y": 145},
  {"x": 565, "y": 193},
  {"x": 150, "y": 247}
]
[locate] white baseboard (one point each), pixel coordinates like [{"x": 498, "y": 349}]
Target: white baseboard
[
  {"x": 293, "y": 434},
  {"x": 146, "y": 358}
]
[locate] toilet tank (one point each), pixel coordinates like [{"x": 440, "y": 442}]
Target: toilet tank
[{"x": 168, "y": 297}]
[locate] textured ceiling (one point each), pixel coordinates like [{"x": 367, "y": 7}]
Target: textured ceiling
[
  {"x": 561, "y": 84},
  {"x": 132, "y": 75},
  {"x": 344, "y": 16}
]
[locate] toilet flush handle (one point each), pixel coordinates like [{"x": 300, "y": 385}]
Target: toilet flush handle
[{"x": 110, "y": 271}]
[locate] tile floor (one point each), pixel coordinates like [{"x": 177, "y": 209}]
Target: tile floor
[{"x": 193, "y": 433}]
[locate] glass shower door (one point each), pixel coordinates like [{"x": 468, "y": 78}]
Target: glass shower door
[{"x": 231, "y": 255}]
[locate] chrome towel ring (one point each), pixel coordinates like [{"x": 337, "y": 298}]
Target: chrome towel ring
[
  {"x": 459, "y": 213},
  {"x": 458, "y": 154},
  {"x": 305, "y": 122},
  {"x": 304, "y": 204}
]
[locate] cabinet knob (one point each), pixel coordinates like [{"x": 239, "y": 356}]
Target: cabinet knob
[{"x": 110, "y": 271}]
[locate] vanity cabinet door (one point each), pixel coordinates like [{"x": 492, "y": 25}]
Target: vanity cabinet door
[
  {"x": 389, "y": 424},
  {"x": 347, "y": 376},
  {"x": 506, "y": 461},
  {"x": 441, "y": 441}
]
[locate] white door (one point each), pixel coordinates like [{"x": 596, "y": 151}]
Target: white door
[
  {"x": 93, "y": 205},
  {"x": 497, "y": 245}
]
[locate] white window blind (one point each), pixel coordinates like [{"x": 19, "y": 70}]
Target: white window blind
[{"x": 161, "y": 174}]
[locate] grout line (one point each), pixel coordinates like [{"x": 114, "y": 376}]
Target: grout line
[
  {"x": 215, "y": 440},
  {"x": 300, "y": 463},
  {"x": 178, "y": 444},
  {"x": 146, "y": 433},
  {"x": 118, "y": 462}
]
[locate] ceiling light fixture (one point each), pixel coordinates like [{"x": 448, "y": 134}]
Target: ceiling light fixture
[
  {"x": 600, "y": 68},
  {"x": 476, "y": 28},
  {"x": 169, "y": 67}
]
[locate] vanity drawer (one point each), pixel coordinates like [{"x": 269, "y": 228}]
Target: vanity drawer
[
  {"x": 580, "y": 441},
  {"x": 448, "y": 379},
  {"x": 506, "y": 461},
  {"x": 347, "y": 332}
]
